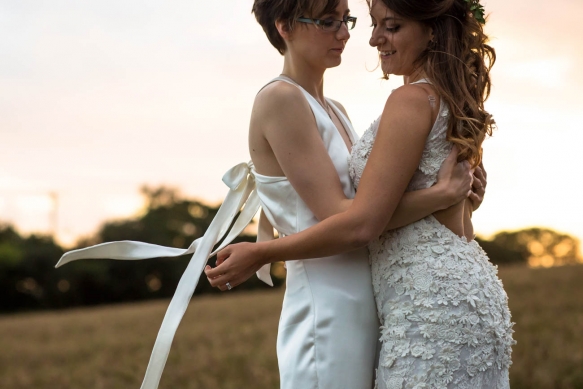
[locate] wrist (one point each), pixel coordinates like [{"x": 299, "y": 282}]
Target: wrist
[
  {"x": 262, "y": 253},
  {"x": 444, "y": 195}
]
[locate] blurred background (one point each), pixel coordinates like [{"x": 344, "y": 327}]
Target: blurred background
[{"x": 118, "y": 120}]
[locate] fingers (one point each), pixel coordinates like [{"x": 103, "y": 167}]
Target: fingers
[
  {"x": 483, "y": 169},
  {"x": 479, "y": 173},
  {"x": 216, "y": 271},
  {"x": 220, "y": 261},
  {"x": 478, "y": 185},
  {"x": 449, "y": 165},
  {"x": 219, "y": 281},
  {"x": 223, "y": 255},
  {"x": 452, "y": 156},
  {"x": 474, "y": 197}
]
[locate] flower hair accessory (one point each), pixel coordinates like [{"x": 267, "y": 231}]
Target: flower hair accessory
[{"x": 478, "y": 10}]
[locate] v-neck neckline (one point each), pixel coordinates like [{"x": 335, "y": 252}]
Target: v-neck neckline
[
  {"x": 345, "y": 125},
  {"x": 341, "y": 117}
]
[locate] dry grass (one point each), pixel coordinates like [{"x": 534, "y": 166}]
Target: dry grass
[
  {"x": 229, "y": 341},
  {"x": 547, "y": 306}
]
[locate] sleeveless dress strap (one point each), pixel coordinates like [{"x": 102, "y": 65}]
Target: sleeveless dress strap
[
  {"x": 242, "y": 192},
  {"x": 431, "y": 98},
  {"x": 281, "y": 78}
]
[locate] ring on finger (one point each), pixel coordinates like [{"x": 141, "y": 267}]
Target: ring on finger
[{"x": 228, "y": 285}]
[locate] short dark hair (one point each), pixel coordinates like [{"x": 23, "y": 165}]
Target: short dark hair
[{"x": 267, "y": 12}]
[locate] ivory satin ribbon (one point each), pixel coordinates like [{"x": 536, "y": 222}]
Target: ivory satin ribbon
[{"x": 241, "y": 183}]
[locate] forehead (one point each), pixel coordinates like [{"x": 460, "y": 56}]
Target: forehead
[{"x": 379, "y": 10}]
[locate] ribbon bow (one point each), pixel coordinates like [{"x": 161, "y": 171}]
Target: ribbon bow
[{"x": 241, "y": 183}]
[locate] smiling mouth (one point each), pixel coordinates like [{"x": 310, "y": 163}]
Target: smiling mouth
[{"x": 386, "y": 53}]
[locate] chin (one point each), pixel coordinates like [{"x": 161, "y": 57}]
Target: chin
[{"x": 333, "y": 63}]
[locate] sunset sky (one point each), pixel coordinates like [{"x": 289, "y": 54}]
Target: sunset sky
[{"x": 100, "y": 97}]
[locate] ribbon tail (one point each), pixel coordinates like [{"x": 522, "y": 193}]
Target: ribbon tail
[
  {"x": 247, "y": 214},
  {"x": 265, "y": 233},
  {"x": 126, "y": 250},
  {"x": 187, "y": 285},
  {"x": 246, "y": 192}
]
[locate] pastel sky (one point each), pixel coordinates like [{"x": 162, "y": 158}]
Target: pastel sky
[{"x": 100, "y": 97}]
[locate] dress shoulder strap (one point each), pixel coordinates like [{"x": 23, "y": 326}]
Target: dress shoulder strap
[
  {"x": 315, "y": 106},
  {"x": 282, "y": 78},
  {"x": 430, "y": 97}
]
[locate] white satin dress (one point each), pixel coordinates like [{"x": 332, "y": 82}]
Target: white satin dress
[{"x": 329, "y": 328}]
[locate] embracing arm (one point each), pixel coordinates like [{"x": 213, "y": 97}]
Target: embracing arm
[
  {"x": 291, "y": 136},
  {"x": 403, "y": 129},
  {"x": 284, "y": 141},
  {"x": 453, "y": 185}
]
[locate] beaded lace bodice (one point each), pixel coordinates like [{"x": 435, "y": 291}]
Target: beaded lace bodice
[
  {"x": 436, "y": 150},
  {"x": 444, "y": 314}
]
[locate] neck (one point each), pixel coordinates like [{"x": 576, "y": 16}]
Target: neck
[
  {"x": 308, "y": 77},
  {"x": 414, "y": 77}
]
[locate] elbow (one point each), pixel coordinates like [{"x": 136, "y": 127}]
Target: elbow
[
  {"x": 333, "y": 209},
  {"x": 362, "y": 234}
]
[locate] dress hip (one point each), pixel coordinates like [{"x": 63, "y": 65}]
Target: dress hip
[
  {"x": 445, "y": 321},
  {"x": 328, "y": 331}
]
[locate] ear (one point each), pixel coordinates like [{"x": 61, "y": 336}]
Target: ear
[
  {"x": 283, "y": 29},
  {"x": 431, "y": 36}
]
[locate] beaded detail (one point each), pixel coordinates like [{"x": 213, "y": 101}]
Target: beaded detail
[{"x": 444, "y": 314}]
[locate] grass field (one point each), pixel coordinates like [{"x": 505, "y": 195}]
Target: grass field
[{"x": 228, "y": 341}]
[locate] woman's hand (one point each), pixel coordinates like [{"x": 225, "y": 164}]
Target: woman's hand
[
  {"x": 455, "y": 179},
  {"x": 235, "y": 264},
  {"x": 478, "y": 187}
]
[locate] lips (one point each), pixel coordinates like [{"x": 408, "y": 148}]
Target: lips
[{"x": 387, "y": 53}]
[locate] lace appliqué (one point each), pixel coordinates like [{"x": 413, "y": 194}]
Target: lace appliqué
[
  {"x": 361, "y": 151},
  {"x": 444, "y": 313},
  {"x": 435, "y": 152}
]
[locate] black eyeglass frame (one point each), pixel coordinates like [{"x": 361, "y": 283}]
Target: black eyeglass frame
[{"x": 320, "y": 22}]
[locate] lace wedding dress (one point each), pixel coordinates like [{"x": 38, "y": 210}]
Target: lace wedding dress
[{"x": 444, "y": 314}]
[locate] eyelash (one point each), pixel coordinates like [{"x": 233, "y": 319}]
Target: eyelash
[{"x": 389, "y": 29}]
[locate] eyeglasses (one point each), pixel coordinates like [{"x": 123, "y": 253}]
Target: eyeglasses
[{"x": 331, "y": 24}]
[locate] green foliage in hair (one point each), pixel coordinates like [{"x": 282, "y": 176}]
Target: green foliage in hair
[{"x": 478, "y": 10}]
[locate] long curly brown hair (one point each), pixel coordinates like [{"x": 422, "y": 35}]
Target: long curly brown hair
[{"x": 458, "y": 63}]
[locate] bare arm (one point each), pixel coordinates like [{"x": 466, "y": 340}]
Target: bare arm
[
  {"x": 404, "y": 126},
  {"x": 453, "y": 185},
  {"x": 282, "y": 125},
  {"x": 284, "y": 141}
]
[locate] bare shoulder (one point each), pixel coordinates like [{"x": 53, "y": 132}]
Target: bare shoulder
[
  {"x": 408, "y": 107},
  {"x": 340, "y": 107},
  {"x": 411, "y": 96},
  {"x": 409, "y": 100},
  {"x": 278, "y": 98}
]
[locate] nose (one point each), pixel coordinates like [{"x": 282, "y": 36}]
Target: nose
[
  {"x": 377, "y": 38},
  {"x": 343, "y": 33}
]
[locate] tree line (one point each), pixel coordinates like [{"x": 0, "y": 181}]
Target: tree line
[{"x": 29, "y": 281}]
